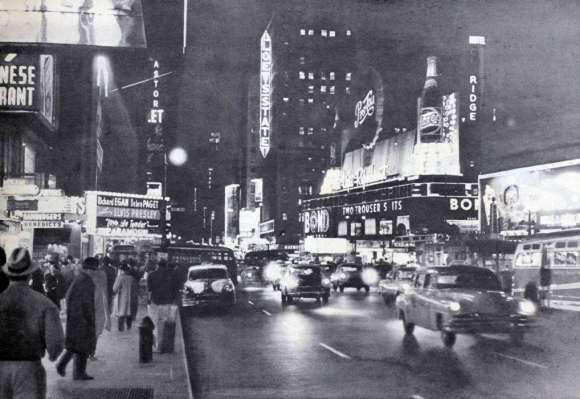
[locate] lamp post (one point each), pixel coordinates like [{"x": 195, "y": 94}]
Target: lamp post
[{"x": 177, "y": 157}]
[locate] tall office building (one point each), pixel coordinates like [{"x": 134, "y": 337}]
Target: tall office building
[{"x": 306, "y": 65}]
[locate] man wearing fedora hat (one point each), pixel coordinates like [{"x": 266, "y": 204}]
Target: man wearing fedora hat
[{"x": 30, "y": 326}]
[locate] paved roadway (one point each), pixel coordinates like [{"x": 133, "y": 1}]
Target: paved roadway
[{"x": 354, "y": 347}]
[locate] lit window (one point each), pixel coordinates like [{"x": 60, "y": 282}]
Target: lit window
[
  {"x": 310, "y": 132},
  {"x": 332, "y": 89},
  {"x": 347, "y": 90},
  {"x": 324, "y": 32},
  {"x": 310, "y": 101},
  {"x": 302, "y": 60},
  {"x": 311, "y": 75},
  {"x": 311, "y": 89},
  {"x": 310, "y": 32},
  {"x": 310, "y": 158},
  {"x": 285, "y": 99},
  {"x": 301, "y": 130},
  {"x": 348, "y": 76},
  {"x": 332, "y": 33},
  {"x": 301, "y": 75},
  {"x": 284, "y": 216},
  {"x": 348, "y": 32},
  {"x": 323, "y": 130},
  {"x": 332, "y": 75},
  {"x": 323, "y": 89},
  {"x": 302, "y": 32},
  {"x": 322, "y": 76},
  {"x": 301, "y": 101}
]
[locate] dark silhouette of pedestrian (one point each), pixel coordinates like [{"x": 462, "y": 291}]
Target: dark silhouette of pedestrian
[
  {"x": 125, "y": 288},
  {"x": 54, "y": 284},
  {"x": 37, "y": 281},
  {"x": 111, "y": 272},
  {"x": 163, "y": 286},
  {"x": 4, "y": 280},
  {"x": 545, "y": 282},
  {"x": 29, "y": 327},
  {"x": 81, "y": 338}
]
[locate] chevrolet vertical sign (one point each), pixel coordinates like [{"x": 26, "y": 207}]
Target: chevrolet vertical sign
[{"x": 265, "y": 93}]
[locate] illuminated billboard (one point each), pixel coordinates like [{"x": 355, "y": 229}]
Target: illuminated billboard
[
  {"x": 533, "y": 199},
  {"x": 265, "y": 93},
  {"x": 109, "y": 23}
]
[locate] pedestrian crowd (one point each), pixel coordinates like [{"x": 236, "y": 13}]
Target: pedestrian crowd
[{"x": 33, "y": 295}]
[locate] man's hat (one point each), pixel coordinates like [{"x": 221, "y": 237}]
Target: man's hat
[{"x": 19, "y": 263}]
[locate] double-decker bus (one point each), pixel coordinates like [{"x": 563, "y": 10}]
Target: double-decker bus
[{"x": 555, "y": 259}]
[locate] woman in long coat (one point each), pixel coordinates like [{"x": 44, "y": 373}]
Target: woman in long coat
[
  {"x": 102, "y": 316},
  {"x": 125, "y": 288},
  {"x": 80, "y": 338}
]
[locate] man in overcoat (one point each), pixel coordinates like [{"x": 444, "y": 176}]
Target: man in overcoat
[{"x": 80, "y": 337}]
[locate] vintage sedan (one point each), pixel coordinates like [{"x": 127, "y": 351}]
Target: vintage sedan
[
  {"x": 208, "y": 285},
  {"x": 463, "y": 300},
  {"x": 304, "y": 281},
  {"x": 396, "y": 282},
  {"x": 353, "y": 275}
]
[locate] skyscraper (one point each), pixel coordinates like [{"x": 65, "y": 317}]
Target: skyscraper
[{"x": 305, "y": 70}]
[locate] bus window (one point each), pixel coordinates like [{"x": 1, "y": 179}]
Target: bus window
[
  {"x": 572, "y": 244},
  {"x": 571, "y": 258},
  {"x": 536, "y": 246},
  {"x": 527, "y": 246},
  {"x": 559, "y": 258},
  {"x": 561, "y": 244}
]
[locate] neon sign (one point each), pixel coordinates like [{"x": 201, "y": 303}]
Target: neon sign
[
  {"x": 265, "y": 93},
  {"x": 364, "y": 109}
]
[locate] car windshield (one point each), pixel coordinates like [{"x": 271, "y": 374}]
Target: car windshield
[
  {"x": 207, "y": 273},
  {"x": 471, "y": 280},
  {"x": 405, "y": 275},
  {"x": 351, "y": 268},
  {"x": 306, "y": 271}
]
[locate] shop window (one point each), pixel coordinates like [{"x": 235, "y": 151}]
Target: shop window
[
  {"x": 356, "y": 229},
  {"x": 342, "y": 228},
  {"x": 386, "y": 227},
  {"x": 370, "y": 227}
]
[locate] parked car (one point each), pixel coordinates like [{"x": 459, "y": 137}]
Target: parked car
[
  {"x": 463, "y": 300},
  {"x": 396, "y": 282},
  {"x": 353, "y": 275},
  {"x": 304, "y": 281},
  {"x": 208, "y": 285}
]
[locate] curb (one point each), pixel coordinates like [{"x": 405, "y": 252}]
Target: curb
[{"x": 180, "y": 334}]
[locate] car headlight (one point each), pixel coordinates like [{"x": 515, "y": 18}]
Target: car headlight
[
  {"x": 370, "y": 276},
  {"x": 291, "y": 282},
  {"x": 272, "y": 271},
  {"x": 326, "y": 282},
  {"x": 342, "y": 276},
  {"x": 405, "y": 286},
  {"x": 197, "y": 287},
  {"x": 221, "y": 285},
  {"x": 527, "y": 308},
  {"x": 454, "y": 306}
]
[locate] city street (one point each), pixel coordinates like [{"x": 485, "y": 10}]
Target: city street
[{"x": 355, "y": 347}]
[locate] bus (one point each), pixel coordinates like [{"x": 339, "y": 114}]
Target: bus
[
  {"x": 555, "y": 259},
  {"x": 185, "y": 255}
]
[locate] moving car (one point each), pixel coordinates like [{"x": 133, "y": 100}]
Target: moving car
[
  {"x": 273, "y": 273},
  {"x": 463, "y": 300},
  {"x": 396, "y": 282},
  {"x": 304, "y": 281},
  {"x": 208, "y": 285},
  {"x": 252, "y": 275},
  {"x": 353, "y": 275}
]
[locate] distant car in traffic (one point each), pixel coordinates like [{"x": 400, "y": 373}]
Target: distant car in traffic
[
  {"x": 208, "y": 285},
  {"x": 273, "y": 273},
  {"x": 396, "y": 282},
  {"x": 463, "y": 300},
  {"x": 304, "y": 281},
  {"x": 353, "y": 275},
  {"x": 252, "y": 275}
]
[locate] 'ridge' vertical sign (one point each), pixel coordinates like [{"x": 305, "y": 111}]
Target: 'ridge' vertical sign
[{"x": 265, "y": 92}]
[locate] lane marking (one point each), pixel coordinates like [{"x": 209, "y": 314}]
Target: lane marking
[
  {"x": 526, "y": 362},
  {"x": 251, "y": 303},
  {"x": 336, "y": 352},
  {"x": 266, "y": 312}
]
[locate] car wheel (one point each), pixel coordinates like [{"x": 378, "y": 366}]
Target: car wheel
[
  {"x": 532, "y": 293},
  {"x": 517, "y": 337},
  {"x": 284, "y": 299},
  {"x": 318, "y": 300},
  {"x": 367, "y": 289},
  {"x": 341, "y": 289},
  {"x": 448, "y": 338},
  {"x": 409, "y": 327},
  {"x": 325, "y": 299}
]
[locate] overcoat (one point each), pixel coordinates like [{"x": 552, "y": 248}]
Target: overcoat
[
  {"x": 125, "y": 289},
  {"x": 80, "y": 315},
  {"x": 101, "y": 300}
]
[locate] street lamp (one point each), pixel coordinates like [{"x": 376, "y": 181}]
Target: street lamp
[{"x": 177, "y": 156}]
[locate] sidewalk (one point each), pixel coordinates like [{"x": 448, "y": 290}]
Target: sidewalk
[{"x": 118, "y": 373}]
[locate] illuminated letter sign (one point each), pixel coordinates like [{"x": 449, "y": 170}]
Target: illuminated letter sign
[
  {"x": 317, "y": 221},
  {"x": 364, "y": 109},
  {"x": 265, "y": 92}
]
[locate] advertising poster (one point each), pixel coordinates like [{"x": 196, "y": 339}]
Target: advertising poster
[
  {"x": 47, "y": 88},
  {"x": 527, "y": 200}
]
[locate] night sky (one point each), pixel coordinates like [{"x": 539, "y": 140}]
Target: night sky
[{"x": 531, "y": 60}]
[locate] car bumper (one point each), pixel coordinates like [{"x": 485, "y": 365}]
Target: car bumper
[
  {"x": 207, "y": 300},
  {"x": 308, "y": 292},
  {"x": 487, "y": 323}
]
